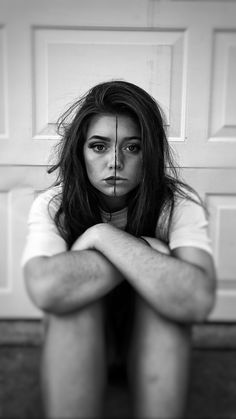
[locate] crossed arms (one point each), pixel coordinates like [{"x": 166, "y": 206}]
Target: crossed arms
[{"x": 179, "y": 285}]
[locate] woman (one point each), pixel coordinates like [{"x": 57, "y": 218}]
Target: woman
[{"x": 117, "y": 254}]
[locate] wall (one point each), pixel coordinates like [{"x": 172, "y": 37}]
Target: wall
[{"x": 182, "y": 52}]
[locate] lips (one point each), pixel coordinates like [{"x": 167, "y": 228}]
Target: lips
[{"x": 114, "y": 180}]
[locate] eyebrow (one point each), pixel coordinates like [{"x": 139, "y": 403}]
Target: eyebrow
[
  {"x": 107, "y": 139},
  {"x": 99, "y": 137}
]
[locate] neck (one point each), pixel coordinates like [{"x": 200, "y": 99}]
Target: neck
[{"x": 112, "y": 203}]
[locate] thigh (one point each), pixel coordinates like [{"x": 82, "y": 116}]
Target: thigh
[
  {"x": 87, "y": 322},
  {"x": 158, "y": 362},
  {"x": 73, "y": 363},
  {"x": 76, "y": 338},
  {"x": 150, "y": 330}
]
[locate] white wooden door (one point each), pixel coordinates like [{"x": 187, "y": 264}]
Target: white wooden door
[{"x": 182, "y": 52}]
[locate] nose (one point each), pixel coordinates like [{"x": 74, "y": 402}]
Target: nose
[{"x": 116, "y": 160}]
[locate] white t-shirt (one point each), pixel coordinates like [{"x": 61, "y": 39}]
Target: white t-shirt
[{"x": 188, "y": 226}]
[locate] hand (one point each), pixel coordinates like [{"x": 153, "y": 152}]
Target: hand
[
  {"x": 88, "y": 239},
  {"x": 158, "y": 245}
]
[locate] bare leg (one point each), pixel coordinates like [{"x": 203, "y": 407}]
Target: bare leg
[
  {"x": 158, "y": 365},
  {"x": 73, "y": 367}
]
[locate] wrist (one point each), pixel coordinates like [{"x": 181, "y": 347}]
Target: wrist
[
  {"x": 90, "y": 239},
  {"x": 103, "y": 235},
  {"x": 144, "y": 240},
  {"x": 98, "y": 233}
]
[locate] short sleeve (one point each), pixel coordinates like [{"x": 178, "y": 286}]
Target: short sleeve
[
  {"x": 43, "y": 238},
  {"x": 189, "y": 226}
]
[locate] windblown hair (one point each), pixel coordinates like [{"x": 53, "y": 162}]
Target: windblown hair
[{"x": 152, "y": 201}]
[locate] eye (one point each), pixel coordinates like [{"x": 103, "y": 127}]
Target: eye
[
  {"x": 98, "y": 147},
  {"x": 133, "y": 148}
]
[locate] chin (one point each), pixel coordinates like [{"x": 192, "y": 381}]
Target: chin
[{"x": 116, "y": 194}]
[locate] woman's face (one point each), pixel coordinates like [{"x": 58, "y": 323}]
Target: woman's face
[{"x": 113, "y": 157}]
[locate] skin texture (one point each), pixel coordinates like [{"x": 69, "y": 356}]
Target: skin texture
[
  {"x": 185, "y": 296},
  {"x": 172, "y": 290},
  {"x": 113, "y": 148}
]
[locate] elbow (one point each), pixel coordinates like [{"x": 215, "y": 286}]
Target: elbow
[
  {"x": 39, "y": 290},
  {"x": 39, "y": 298},
  {"x": 205, "y": 302},
  {"x": 204, "y": 308}
]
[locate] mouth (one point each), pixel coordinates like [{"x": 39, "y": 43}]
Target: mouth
[{"x": 114, "y": 180}]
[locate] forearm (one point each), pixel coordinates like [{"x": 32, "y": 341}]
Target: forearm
[
  {"x": 175, "y": 288},
  {"x": 68, "y": 281}
]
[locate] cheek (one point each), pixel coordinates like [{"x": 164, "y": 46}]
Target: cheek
[
  {"x": 89, "y": 162},
  {"x": 139, "y": 175},
  {"x": 93, "y": 168},
  {"x": 89, "y": 167},
  {"x": 137, "y": 168}
]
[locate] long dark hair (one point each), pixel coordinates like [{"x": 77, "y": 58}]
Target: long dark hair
[{"x": 153, "y": 200}]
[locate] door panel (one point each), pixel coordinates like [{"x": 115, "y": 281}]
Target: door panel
[
  {"x": 18, "y": 188},
  {"x": 182, "y": 52}
]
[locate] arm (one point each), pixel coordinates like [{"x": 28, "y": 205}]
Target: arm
[
  {"x": 69, "y": 280},
  {"x": 64, "y": 280},
  {"x": 180, "y": 286}
]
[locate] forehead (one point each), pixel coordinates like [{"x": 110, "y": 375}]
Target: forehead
[{"x": 109, "y": 124}]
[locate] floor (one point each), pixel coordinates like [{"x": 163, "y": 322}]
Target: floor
[{"x": 212, "y": 389}]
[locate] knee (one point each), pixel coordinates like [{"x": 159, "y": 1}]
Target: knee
[
  {"x": 152, "y": 329},
  {"x": 159, "y": 350},
  {"x": 84, "y": 322}
]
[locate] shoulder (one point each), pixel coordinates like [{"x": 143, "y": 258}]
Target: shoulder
[
  {"x": 189, "y": 224},
  {"x": 47, "y": 201},
  {"x": 43, "y": 238},
  {"x": 188, "y": 209}
]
